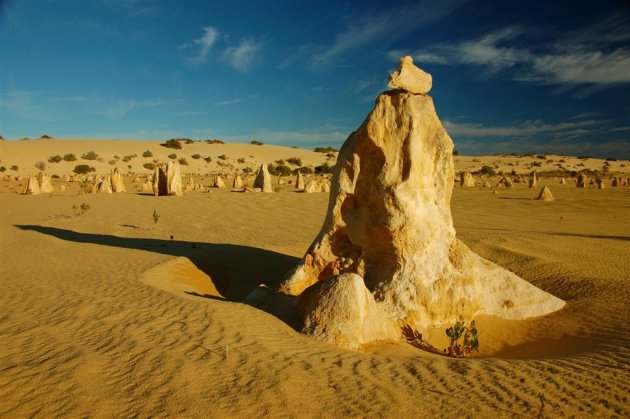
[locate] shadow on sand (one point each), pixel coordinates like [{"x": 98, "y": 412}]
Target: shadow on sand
[{"x": 235, "y": 270}]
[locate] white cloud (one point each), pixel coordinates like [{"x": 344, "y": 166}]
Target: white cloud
[
  {"x": 122, "y": 108},
  {"x": 525, "y": 129},
  {"x": 378, "y": 28},
  {"x": 242, "y": 56},
  {"x": 594, "y": 56},
  {"x": 209, "y": 37}
]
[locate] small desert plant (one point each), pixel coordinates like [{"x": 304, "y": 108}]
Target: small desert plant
[
  {"x": 172, "y": 143},
  {"x": 196, "y": 156},
  {"x": 55, "y": 159},
  {"x": 78, "y": 210},
  {"x": 323, "y": 169},
  {"x": 222, "y": 157},
  {"x": 147, "y": 154},
  {"x": 188, "y": 141},
  {"x": 45, "y": 137},
  {"x": 331, "y": 156},
  {"x": 90, "y": 155},
  {"x": 280, "y": 170},
  {"x": 15, "y": 168},
  {"x": 69, "y": 157},
  {"x": 82, "y": 169},
  {"x": 156, "y": 217},
  {"x": 149, "y": 166},
  {"x": 40, "y": 165},
  {"x": 324, "y": 149},
  {"x": 183, "y": 161},
  {"x": 172, "y": 156},
  {"x": 241, "y": 160},
  {"x": 296, "y": 161},
  {"x": 455, "y": 153},
  {"x": 305, "y": 170},
  {"x": 487, "y": 170},
  {"x": 280, "y": 162},
  {"x": 112, "y": 162},
  {"x": 256, "y": 142},
  {"x": 100, "y": 159},
  {"x": 214, "y": 141},
  {"x": 470, "y": 342},
  {"x": 247, "y": 170},
  {"x": 129, "y": 157},
  {"x": 208, "y": 159},
  {"x": 3, "y": 169}
]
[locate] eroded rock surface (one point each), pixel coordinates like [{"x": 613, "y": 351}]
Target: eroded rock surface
[{"x": 389, "y": 222}]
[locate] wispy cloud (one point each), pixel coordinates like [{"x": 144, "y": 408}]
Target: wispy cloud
[
  {"x": 242, "y": 56},
  {"x": 595, "y": 56},
  {"x": 120, "y": 109},
  {"x": 204, "y": 43},
  {"x": 525, "y": 129},
  {"x": 375, "y": 29},
  {"x": 619, "y": 148}
]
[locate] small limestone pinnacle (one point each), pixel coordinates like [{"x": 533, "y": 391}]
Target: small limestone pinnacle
[{"x": 410, "y": 78}]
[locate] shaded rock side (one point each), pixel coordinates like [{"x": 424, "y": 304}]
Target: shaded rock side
[
  {"x": 32, "y": 186},
  {"x": 299, "y": 181},
  {"x": 389, "y": 221},
  {"x": 45, "y": 186},
  {"x": 117, "y": 181},
  {"x": 545, "y": 194},
  {"x": 467, "y": 180},
  {"x": 263, "y": 179},
  {"x": 342, "y": 311}
]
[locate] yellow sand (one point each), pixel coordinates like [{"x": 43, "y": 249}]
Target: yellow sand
[{"x": 84, "y": 332}]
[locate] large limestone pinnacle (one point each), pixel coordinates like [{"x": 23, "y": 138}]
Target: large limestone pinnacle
[{"x": 389, "y": 221}]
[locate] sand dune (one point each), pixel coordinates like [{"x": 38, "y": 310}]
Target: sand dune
[
  {"x": 81, "y": 334},
  {"x": 25, "y": 154}
]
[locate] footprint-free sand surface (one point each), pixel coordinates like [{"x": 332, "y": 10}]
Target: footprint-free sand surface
[{"x": 84, "y": 332}]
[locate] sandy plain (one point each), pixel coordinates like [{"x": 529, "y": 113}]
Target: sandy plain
[{"x": 100, "y": 318}]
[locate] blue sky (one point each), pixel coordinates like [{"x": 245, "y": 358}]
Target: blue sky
[{"x": 535, "y": 76}]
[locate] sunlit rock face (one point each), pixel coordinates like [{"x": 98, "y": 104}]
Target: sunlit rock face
[{"x": 389, "y": 222}]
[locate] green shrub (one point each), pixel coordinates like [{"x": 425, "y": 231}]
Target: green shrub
[
  {"x": 208, "y": 159},
  {"x": 455, "y": 152},
  {"x": 183, "y": 161},
  {"x": 196, "y": 156},
  {"x": 295, "y": 161},
  {"x": 149, "y": 166},
  {"x": 280, "y": 170},
  {"x": 241, "y": 160},
  {"x": 214, "y": 141},
  {"x": 172, "y": 143},
  {"x": 469, "y": 344},
  {"x": 487, "y": 170},
  {"x": 55, "y": 159},
  {"x": 90, "y": 155},
  {"x": 112, "y": 162},
  {"x": 256, "y": 142},
  {"x": 147, "y": 154},
  {"x": 247, "y": 170},
  {"x": 305, "y": 170},
  {"x": 83, "y": 169},
  {"x": 15, "y": 168},
  {"x": 188, "y": 141},
  {"x": 323, "y": 169},
  {"x": 3, "y": 169},
  {"x": 69, "y": 157},
  {"x": 324, "y": 149},
  {"x": 40, "y": 165},
  {"x": 222, "y": 157},
  {"x": 172, "y": 156}
]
